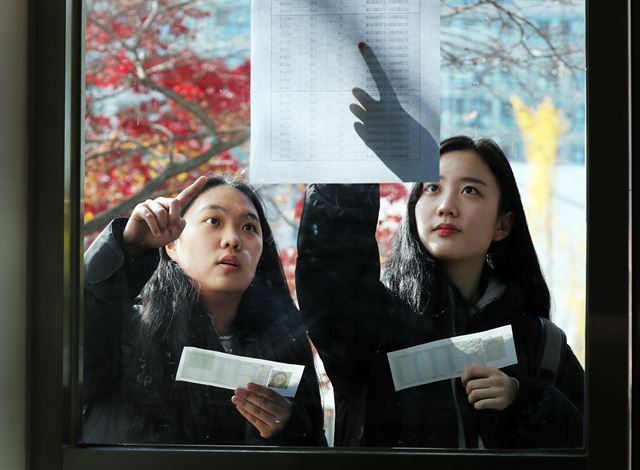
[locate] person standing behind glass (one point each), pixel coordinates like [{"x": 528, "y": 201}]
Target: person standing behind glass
[
  {"x": 211, "y": 277},
  {"x": 462, "y": 262}
]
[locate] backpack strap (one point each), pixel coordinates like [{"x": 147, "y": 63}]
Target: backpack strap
[{"x": 551, "y": 350}]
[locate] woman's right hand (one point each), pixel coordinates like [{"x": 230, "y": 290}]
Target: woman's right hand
[{"x": 154, "y": 223}]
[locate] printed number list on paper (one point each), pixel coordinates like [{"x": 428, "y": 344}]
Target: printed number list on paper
[{"x": 305, "y": 64}]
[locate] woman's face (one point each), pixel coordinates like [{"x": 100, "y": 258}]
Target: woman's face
[
  {"x": 457, "y": 217},
  {"x": 221, "y": 243}
]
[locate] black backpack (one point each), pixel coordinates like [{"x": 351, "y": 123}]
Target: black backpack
[{"x": 551, "y": 349}]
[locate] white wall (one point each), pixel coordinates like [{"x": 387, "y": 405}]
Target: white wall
[{"x": 13, "y": 220}]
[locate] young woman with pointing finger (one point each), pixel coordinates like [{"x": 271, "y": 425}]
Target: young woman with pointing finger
[{"x": 202, "y": 270}]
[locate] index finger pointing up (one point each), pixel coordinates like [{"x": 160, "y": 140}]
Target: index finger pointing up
[
  {"x": 377, "y": 72},
  {"x": 190, "y": 191}
]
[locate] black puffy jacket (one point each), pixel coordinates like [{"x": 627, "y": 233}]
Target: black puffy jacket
[{"x": 354, "y": 321}]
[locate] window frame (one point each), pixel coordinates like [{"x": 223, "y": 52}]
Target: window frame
[
  {"x": 55, "y": 272},
  {"x": 634, "y": 215}
]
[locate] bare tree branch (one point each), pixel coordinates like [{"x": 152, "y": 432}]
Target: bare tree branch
[
  {"x": 461, "y": 9},
  {"x": 518, "y": 18}
]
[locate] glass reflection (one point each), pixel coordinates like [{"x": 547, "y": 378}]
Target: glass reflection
[{"x": 167, "y": 100}]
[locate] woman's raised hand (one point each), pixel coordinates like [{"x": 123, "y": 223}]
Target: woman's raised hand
[
  {"x": 489, "y": 388},
  {"x": 266, "y": 409},
  {"x": 154, "y": 223}
]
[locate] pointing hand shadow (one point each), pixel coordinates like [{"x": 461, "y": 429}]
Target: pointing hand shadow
[{"x": 387, "y": 129}]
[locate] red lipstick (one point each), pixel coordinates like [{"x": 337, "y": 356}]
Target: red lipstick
[{"x": 445, "y": 230}]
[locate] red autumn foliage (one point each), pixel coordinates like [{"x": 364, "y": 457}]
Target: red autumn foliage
[
  {"x": 160, "y": 111},
  {"x": 393, "y": 191}
]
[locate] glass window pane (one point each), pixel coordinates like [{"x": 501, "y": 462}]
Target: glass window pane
[{"x": 167, "y": 100}]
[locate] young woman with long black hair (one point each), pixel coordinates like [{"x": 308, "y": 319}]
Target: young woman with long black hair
[
  {"x": 208, "y": 268},
  {"x": 462, "y": 262}
]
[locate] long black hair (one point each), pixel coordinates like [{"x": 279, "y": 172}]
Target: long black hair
[
  {"x": 416, "y": 277},
  {"x": 172, "y": 318}
]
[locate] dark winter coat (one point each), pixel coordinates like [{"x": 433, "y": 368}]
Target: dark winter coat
[
  {"x": 117, "y": 407},
  {"x": 354, "y": 321}
]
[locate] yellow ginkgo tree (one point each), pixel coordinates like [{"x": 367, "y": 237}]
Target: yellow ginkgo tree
[{"x": 541, "y": 129}]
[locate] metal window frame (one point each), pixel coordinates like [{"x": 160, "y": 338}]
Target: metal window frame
[{"x": 54, "y": 266}]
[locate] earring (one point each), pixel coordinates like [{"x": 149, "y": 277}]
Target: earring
[{"x": 489, "y": 260}]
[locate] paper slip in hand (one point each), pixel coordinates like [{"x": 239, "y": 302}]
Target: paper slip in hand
[
  {"x": 205, "y": 367},
  {"x": 447, "y": 358}
]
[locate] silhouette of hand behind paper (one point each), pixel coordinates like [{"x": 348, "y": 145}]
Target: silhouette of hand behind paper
[{"x": 386, "y": 127}]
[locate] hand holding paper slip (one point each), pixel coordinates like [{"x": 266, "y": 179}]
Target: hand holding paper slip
[
  {"x": 447, "y": 358},
  {"x": 229, "y": 371}
]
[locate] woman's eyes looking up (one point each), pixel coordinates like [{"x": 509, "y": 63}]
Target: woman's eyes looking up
[
  {"x": 470, "y": 190},
  {"x": 248, "y": 227},
  {"x": 434, "y": 188}
]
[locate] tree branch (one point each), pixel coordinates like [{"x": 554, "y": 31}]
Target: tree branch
[
  {"x": 518, "y": 18},
  {"x": 147, "y": 21},
  {"x": 194, "y": 109},
  {"x": 152, "y": 185}
]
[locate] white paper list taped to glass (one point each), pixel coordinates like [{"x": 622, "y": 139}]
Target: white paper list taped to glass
[
  {"x": 447, "y": 358},
  {"x": 205, "y": 367},
  {"x": 305, "y": 61}
]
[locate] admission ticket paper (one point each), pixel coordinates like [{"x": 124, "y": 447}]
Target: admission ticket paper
[
  {"x": 447, "y": 358},
  {"x": 205, "y": 367}
]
